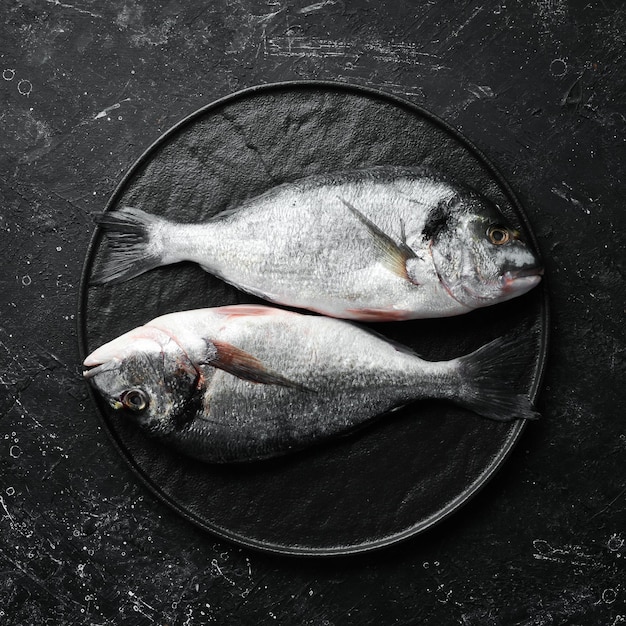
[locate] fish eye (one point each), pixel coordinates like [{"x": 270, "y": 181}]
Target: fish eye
[
  {"x": 135, "y": 400},
  {"x": 498, "y": 235}
]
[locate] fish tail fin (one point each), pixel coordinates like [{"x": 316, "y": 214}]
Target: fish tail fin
[
  {"x": 492, "y": 380},
  {"x": 133, "y": 245}
]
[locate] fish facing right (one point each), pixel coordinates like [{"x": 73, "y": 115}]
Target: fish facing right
[
  {"x": 243, "y": 383},
  {"x": 375, "y": 244}
]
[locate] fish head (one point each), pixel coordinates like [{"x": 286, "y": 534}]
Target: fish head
[
  {"x": 146, "y": 376},
  {"x": 479, "y": 257}
]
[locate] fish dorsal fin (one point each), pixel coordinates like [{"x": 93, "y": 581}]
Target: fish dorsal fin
[
  {"x": 393, "y": 254},
  {"x": 239, "y": 363}
]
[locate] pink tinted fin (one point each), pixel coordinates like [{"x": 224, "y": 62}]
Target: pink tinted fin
[
  {"x": 240, "y": 310},
  {"x": 243, "y": 365},
  {"x": 378, "y": 315}
]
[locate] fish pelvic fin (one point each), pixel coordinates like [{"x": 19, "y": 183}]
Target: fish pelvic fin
[
  {"x": 491, "y": 378},
  {"x": 133, "y": 247},
  {"x": 241, "y": 364},
  {"x": 393, "y": 254}
]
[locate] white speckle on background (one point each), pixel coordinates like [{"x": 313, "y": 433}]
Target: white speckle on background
[{"x": 25, "y": 87}]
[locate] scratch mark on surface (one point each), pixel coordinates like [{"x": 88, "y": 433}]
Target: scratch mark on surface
[
  {"x": 51, "y": 469},
  {"x": 35, "y": 579},
  {"x": 69, "y": 6},
  {"x": 481, "y": 91},
  {"x": 218, "y": 569},
  {"x": 567, "y": 196},
  {"x": 7, "y": 513},
  {"x": 18, "y": 402},
  {"x": 134, "y": 595},
  {"x": 455, "y": 33},
  {"x": 571, "y": 604},
  {"x": 137, "y": 605},
  {"x": 401, "y": 53},
  {"x": 571, "y": 555},
  {"x": 106, "y": 111},
  {"x": 316, "y": 7},
  {"x": 388, "y": 52},
  {"x": 610, "y": 504},
  {"x": 261, "y": 19}
]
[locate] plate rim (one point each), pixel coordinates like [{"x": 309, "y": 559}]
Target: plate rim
[{"x": 497, "y": 461}]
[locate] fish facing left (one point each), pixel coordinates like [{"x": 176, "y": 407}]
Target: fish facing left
[{"x": 243, "y": 383}]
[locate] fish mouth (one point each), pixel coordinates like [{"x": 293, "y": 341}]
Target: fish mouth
[
  {"x": 511, "y": 284},
  {"x": 530, "y": 275},
  {"x": 99, "y": 367},
  {"x": 521, "y": 279},
  {"x": 523, "y": 272}
]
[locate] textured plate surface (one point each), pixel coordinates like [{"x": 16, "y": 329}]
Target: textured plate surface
[{"x": 408, "y": 470}]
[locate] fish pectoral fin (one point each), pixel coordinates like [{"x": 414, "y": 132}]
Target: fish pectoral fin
[
  {"x": 241, "y": 364},
  {"x": 392, "y": 254}
]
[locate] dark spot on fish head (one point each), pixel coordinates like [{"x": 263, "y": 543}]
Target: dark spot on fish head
[{"x": 438, "y": 220}]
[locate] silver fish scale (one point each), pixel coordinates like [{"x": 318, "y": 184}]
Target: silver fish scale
[
  {"x": 351, "y": 376},
  {"x": 301, "y": 244}
]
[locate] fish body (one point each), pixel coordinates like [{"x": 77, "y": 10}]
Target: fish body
[
  {"x": 383, "y": 243},
  {"x": 243, "y": 383}
]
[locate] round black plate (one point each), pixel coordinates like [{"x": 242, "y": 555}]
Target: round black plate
[{"x": 382, "y": 484}]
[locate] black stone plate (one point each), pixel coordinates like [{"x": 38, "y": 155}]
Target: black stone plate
[{"x": 382, "y": 484}]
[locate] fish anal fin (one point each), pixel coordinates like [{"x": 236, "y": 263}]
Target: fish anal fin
[
  {"x": 393, "y": 254},
  {"x": 241, "y": 364}
]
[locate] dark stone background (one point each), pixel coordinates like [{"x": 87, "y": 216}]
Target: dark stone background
[{"x": 86, "y": 86}]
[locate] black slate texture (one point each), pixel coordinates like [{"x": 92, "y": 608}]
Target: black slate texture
[{"x": 86, "y": 87}]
